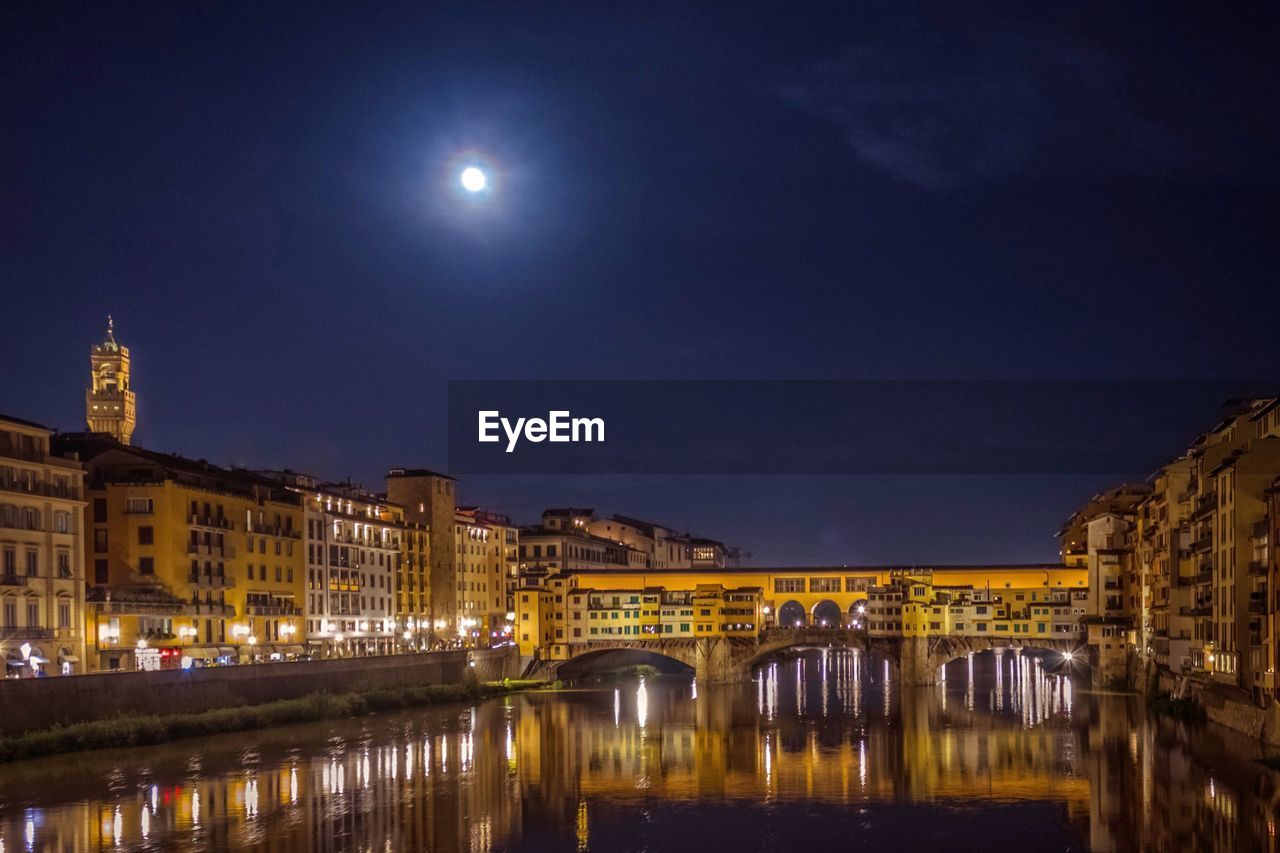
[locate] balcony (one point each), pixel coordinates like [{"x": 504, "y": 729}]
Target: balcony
[
  {"x": 1202, "y": 578},
  {"x": 44, "y": 490},
  {"x": 280, "y": 609},
  {"x": 200, "y": 549},
  {"x": 1260, "y": 530},
  {"x": 1113, "y": 584},
  {"x": 216, "y": 521},
  {"x": 1197, "y": 611},
  {"x": 211, "y": 580},
  {"x": 1206, "y": 505},
  {"x": 1258, "y": 568},
  {"x": 206, "y": 609},
  {"x": 1204, "y": 543},
  {"x": 273, "y": 530},
  {"x": 1257, "y": 603},
  {"x": 26, "y": 634},
  {"x": 13, "y": 580}
]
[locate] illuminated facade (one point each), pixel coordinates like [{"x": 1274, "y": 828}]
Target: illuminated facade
[
  {"x": 994, "y": 602},
  {"x": 1164, "y": 561},
  {"x": 353, "y": 547},
  {"x": 429, "y": 500},
  {"x": 1188, "y": 569},
  {"x": 109, "y": 403},
  {"x": 486, "y": 545},
  {"x": 189, "y": 562},
  {"x": 41, "y": 554},
  {"x": 413, "y": 586}
]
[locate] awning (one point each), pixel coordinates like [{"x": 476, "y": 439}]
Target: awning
[
  {"x": 203, "y": 653},
  {"x": 293, "y": 650},
  {"x": 38, "y": 659},
  {"x": 227, "y": 651},
  {"x": 68, "y": 658}
]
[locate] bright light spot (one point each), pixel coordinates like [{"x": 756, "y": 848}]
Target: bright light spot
[
  {"x": 1069, "y": 655},
  {"x": 473, "y": 180}
]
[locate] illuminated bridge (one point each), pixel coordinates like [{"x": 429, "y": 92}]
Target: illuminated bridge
[
  {"x": 722, "y": 622},
  {"x": 917, "y": 660}
]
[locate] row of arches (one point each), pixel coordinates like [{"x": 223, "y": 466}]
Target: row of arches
[{"x": 824, "y": 614}]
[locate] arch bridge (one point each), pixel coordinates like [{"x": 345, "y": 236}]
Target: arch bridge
[{"x": 918, "y": 660}]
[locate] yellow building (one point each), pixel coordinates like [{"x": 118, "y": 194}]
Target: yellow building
[
  {"x": 413, "y": 586},
  {"x": 353, "y": 550},
  {"x": 191, "y": 563},
  {"x": 429, "y": 499},
  {"x": 486, "y": 554},
  {"x": 1023, "y": 602},
  {"x": 41, "y": 554}
]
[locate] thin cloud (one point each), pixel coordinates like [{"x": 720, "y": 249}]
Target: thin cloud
[{"x": 940, "y": 113}]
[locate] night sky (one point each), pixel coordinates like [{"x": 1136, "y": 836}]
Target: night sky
[{"x": 266, "y": 199}]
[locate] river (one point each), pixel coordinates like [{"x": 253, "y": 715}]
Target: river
[{"x": 819, "y": 753}]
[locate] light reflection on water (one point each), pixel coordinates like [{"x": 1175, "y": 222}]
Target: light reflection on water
[{"x": 823, "y": 746}]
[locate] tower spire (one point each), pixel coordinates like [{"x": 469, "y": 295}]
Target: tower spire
[{"x": 109, "y": 403}]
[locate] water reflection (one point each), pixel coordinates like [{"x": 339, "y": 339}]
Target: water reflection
[{"x": 822, "y": 746}]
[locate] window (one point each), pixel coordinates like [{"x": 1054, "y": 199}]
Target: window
[
  {"x": 139, "y": 506},
  {"x": 824, "y": 584},
  {"x": 100, "y": 541},
  {"x": 146, "y": 535},
  {"x": 787, "y": 585},
  {"x": 64, "y": 614},
  {"x": 99, "y": 571},
  {"x": 62, "y": 522},
  {"x": 99, "y": 509},
  {"x": 64, "y": 564},
  {"x": 146, "y": 565},
  {"x": 33, "y": 564}
]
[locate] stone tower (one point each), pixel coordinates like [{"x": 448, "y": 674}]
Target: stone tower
[
  {"x": 109, "y": 401},
  {"x": 428, "y": 498}
]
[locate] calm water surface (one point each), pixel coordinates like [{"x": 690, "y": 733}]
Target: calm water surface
[{"x": 819, "y": 753}]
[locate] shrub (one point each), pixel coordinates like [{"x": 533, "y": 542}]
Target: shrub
[{"x": 143, "y": 729}]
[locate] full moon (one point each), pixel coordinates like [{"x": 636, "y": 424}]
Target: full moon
[{"x": 473, "y": 180}]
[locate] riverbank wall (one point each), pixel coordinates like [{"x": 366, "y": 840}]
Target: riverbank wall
[
  {"x": 1225, "y": 705},
  {"x": 37, "y": 703}
]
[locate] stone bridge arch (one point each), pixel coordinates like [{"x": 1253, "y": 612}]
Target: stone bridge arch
[
  {"x": 912, "y": 660},
  {"x": 922, "y": 658},
  {"x": 682, "y": 651},
  {"x": 780, "y": 639}
]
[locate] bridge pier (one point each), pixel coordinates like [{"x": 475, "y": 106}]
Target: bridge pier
[
  {"x": 914, "y": 666},
  {"x": 715, "y": 662}
]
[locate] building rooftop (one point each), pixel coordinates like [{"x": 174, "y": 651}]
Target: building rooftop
[
  {"x": 22, "y": 422},
  {"x": 90, "y": 446},
  {"x": 417, "y": 472}
]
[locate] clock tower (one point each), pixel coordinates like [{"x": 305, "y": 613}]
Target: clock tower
[{"x": 109, "y": 401}]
